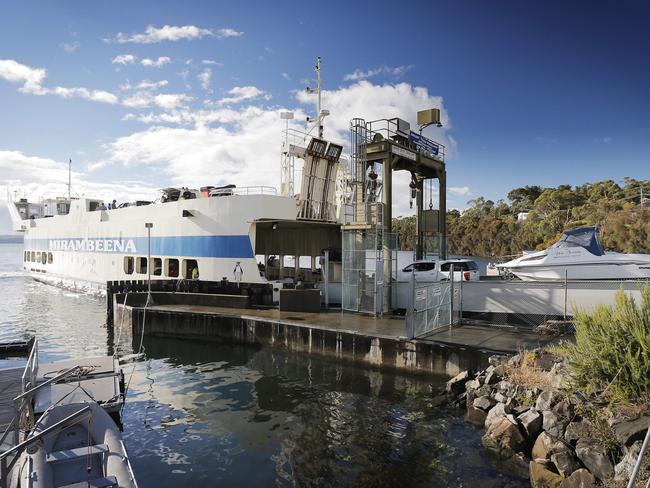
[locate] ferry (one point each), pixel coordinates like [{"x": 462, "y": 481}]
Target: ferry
[{"x": 213, "y": 233}]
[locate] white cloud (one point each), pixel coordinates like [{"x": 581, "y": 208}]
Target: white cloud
[
  {"x": 153, "y": 34},
  {"x": 462, "y": 191},
  {"x": 151, "y": 85},
  {"x": 211, "y": 62},
  {"x": 32, "y": 80},
  {"x": 170, "y": 101},
  {"x": 124, "y": 59},
  {"x": 242, "y": 93},
  {"x": 70, "y": 47},
  {"x": 155, "y": 63},
  {"x": 204, "y": 77},
  {"x": 47, "y": 177},
  {"x": 286, "y": 76},
  {"x": 396, "y": 71}
]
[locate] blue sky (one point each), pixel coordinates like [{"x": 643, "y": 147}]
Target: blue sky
[{"x": 532, "y": 92}]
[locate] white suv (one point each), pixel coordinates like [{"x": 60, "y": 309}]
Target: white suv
[
  {"x": 464, "y": 269},
  {"x": 425, "y": 271}
]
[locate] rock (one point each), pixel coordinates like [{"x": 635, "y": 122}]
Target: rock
[
  {"x": 506, "y": 388},
  {"x": 485, "y": 403},
  {"x": 627, "y": 432},
  {"x": 540, "y": 477},
  {"x": 577, "y": 430},
  {"x": 504, "y": 435},
  {"x": 546, "y": 400},
  {"x": 492, "y": 378},
  {"x": 495, "y": 413},
  {"x": 565, "y": 462},
  {"x": 497, "y": 360},
  {"x": 475, "y": 416},
  {"x": 520, "y": 409},
  {"x": 623, "y": 470},
  {"x": 516, "y": 464},
  {"x": 515, "y": 360},
  {"x": 595, "y": 458},
  {"x": 474, "y": 384},
  {"x": 553, "y": 424},
  {"x": 545, "y": 445},
  {"x": 579, "y": 479},
  {"x": 456, "y": 385},
  {"x": 500, "y": 397},
  {"x": 531, "y": 421},
  {"x": 563, "y": 409}
]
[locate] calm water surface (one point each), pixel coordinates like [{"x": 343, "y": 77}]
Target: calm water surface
[{"x": 215, "y": 415}]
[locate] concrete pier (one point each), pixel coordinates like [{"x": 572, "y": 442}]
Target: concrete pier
[{"x": 373, "y": 341}]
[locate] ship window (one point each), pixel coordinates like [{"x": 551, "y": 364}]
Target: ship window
[
  {"x": 128, "y": 264},
  {"x": 171, "y": 268},
  {"x": 33, "y": 257},
  {"x": 289, "y": 261},
  {"x": 189, "y": 267},
  {"x": 304, "y": 262},
  {"x": 318, "y": 262},
  {"x": 157, "y": 266},
  {"x": 49, "y": 258},
  {"x": 141, "y": 265},
  {"x": 43, "y": 258},
  {"x": 24, "y": 256},
  {"x": 273, "y": 261}
]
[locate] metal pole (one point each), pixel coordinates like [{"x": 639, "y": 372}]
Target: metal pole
[
  {"x": 148, "y": 225},
  {"x": 326, "y": 279},
  {"x": 451, "y": 296},
  {"x": 566, "y": 285},
  {"x": 410, "y": 308}
]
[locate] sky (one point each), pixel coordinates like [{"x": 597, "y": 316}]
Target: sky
[{"x": 148, "y": 94}]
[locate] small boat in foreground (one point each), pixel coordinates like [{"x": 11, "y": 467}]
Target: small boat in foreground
[
  {"x": 578, "y": 255},
  {"x": 86, "y": 451}
]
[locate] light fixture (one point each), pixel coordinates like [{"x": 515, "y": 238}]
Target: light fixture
[{"x": 274, "y": 226}]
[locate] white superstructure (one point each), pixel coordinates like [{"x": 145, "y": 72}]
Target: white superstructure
[{"x": 578, "y": 255}]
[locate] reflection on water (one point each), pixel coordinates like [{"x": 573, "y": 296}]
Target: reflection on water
[{"x": 216, "y": 415}]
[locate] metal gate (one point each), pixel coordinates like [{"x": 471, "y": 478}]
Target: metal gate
[{"x": 430, "y": 308}]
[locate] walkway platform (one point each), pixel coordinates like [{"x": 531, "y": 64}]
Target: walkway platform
[{"x": 376, "y": 341}]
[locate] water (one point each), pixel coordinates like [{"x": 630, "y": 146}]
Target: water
[{"x": 215, "y": 415}]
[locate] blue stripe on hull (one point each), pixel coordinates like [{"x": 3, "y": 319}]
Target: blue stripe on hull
[{"x": 194, "y": 246}]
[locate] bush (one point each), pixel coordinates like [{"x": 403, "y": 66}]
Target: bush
[{"x": 612, "y": 349}]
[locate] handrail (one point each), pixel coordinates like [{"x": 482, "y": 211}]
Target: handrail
[
  {"x": 52, "y": 428},
  {"x": 31, "y": 367}
]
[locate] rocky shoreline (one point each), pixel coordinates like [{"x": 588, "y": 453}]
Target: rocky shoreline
[{"x": 538, "y": 429}]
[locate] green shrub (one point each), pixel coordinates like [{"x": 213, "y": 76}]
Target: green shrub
[{"x": 611, "y": 354}]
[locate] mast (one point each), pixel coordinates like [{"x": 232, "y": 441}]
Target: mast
[
  {"x": 319, "y": 115},
  {"x": 69, "y": 178}
]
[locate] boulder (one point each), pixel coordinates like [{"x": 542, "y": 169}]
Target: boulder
[
  {"x": 475, "y": 416},
  {"x": 495, "y": 413},
  {"x": 579, "y": 479},
  {"x": 503, "y": 439},
  {"x": 497, "y": 360},
  {"x": 594, "y": 457},
  {"x": 516, "y": 464},
  {"x": 553, "y": 424},
  {"x": 627, "y": 432},
  {"x": 577, "y": 430},
  {"x": 563, "y": 409},
  {"x": 485, "y": 403},
  {"x": 564, "y": 461},
  {"x": 492, "y": 378},
  {"x": 531, "y": 421},
  {"x": 500, "y": 397},
  {"x": 546, "y": 400},
  {"x": 520, "y": 409},
  {"x": 456, "y": 385},
  {"x": 540, "y": 477},
  {"x": 474, "y": 384},
  {"x": 545, "y": 445},
  {"x": 506, "y": 388}
]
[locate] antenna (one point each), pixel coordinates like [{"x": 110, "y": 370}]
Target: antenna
[
  {"x": 320, "y": 114},
  {"x": 69, "y": 178}
]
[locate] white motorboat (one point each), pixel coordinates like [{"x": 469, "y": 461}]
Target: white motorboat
[
  {"x": 578, "y": 255},
  {"x": 80, "y": 445}
]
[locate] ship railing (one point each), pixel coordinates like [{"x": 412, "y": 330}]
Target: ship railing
[
  {"x": 389, "y": 129},
  {"x": 255, "y": 190}
]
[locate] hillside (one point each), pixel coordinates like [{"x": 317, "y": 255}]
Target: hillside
[{"x": 491, "y": 229}]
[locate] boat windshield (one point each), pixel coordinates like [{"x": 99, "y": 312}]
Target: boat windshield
[{"x": 586, "y": 237}]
